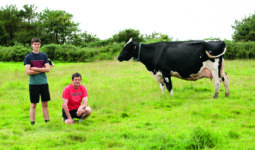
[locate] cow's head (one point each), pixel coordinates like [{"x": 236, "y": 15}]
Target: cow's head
[{"x": 129, "y": 51}]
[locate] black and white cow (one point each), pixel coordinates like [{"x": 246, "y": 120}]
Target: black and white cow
[
  {"x": 51, "y": 63},
  {"x": 188, "y": 60}
]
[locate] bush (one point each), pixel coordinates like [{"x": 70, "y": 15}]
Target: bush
[
  {"x": 19, "y": 52},
  {"x": 16, "y": 53},
  {"x": 201, "y": 138},
  {"x": 125, "y": 35},
  {"x": 233, "y": 134},
  {"x": 50, "y": 50},
  {"x": 5, "y": 53},
  {"x": 97, "y": 43},
  {"x": 70, "y": 53},
  {"x": 240, "y": 50},
  {"x": 109, "y": 51}
]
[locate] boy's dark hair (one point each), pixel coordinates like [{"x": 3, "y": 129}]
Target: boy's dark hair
[
  {"x": 35, "y": 39},
  {"x": 76, "y": 75}
]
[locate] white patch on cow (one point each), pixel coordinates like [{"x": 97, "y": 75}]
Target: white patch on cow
[
  {"x": 162, "y": 87},
  {"x": 166, "y": 79},
  {"x": 158, "y": 76},
  {"x": 175, "y": 74},
  {"x": 205, "y": 71},
  {"x": 207, "y": 64},
  {"x": 212, "y": 66}
]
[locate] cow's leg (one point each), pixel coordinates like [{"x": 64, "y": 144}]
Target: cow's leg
[
  {"x": 162, "y": 87},
  {"x": 225, "y": 80},
  {"x": 217, "y": 86},
  {"x": 159, "y": 78},
  {"x": 216, "y": 78},
  {"x": 168, "y": 82}
]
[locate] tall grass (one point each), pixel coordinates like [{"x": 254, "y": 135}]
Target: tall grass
[{"x": 129, "y": 111}]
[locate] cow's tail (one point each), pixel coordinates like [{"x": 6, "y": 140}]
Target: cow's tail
[{"x": 210, "y": 56}]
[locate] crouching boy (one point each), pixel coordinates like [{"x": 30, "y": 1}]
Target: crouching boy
[{"x": 73, "y": 96}]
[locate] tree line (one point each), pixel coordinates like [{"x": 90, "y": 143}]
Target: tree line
[
  {"x": 57, "y": 26},
  {"x": 52, "y": 26}
]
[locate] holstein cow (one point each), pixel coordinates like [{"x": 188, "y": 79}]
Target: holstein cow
[
  {"x": 51, "y": 63},
  {"x": 188, "y": 60}
]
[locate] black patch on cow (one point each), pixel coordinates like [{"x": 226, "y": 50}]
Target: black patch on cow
[
  {"x": 51, "y": 63},
  {"x": 223, "y": 79},
  {"x": 220, "y": 65},
  {"x": 215, "y": 47}
]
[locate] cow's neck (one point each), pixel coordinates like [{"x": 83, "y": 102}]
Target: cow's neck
[{"x": 146, "y": 55}]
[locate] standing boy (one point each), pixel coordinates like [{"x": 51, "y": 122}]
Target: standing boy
[
  {"x": 73, "y": 95},
  {"x": 36, "y": 64}
]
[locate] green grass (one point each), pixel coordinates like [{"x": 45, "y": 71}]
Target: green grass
[{"x": 129, "y": 111}]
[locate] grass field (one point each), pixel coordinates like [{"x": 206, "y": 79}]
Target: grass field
[{"x": 129, "y": 111}]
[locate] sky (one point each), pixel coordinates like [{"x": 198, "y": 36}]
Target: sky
[{"x": 179, "y": 19}]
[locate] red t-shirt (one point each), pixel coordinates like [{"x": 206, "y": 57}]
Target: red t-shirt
[{"x": 74, "y": 96}]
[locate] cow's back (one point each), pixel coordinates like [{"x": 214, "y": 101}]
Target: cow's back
[{"x": 183, "y": 57}]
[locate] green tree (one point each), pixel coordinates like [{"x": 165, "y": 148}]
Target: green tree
[
  {"x": 157, "y": 36},
  {"x": 244, "y": 29},
  {"x": 57, "y": 26},
  {"x": 10, "y": 21},
  {"x": 3, "y": 34},
  {"x": 28, "y": 28},
  {"x": 212, "y": 38},
  {"x": 17, "y": 26},
  {"x": 82, "y": 39},
  {"x": 89, "y": 37},
  {"x": 125, "y": 35},
  {"x": 75, "y": 39}
]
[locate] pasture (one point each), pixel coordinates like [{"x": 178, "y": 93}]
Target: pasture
[{"x": 129, "y": 111}]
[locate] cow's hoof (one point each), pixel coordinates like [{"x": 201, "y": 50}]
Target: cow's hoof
[
  {"x": 172, "y": 93},
  {"x": 227, "y": 94}
]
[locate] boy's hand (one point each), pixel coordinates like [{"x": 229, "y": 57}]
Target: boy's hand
[
  {"x": 69, "y": 121},
  {"x": 80, "y": 110}
]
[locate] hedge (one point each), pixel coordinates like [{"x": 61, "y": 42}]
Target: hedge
[
  {"x": 240, "y": 50},
  {"x": 63, "y": 53}
]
